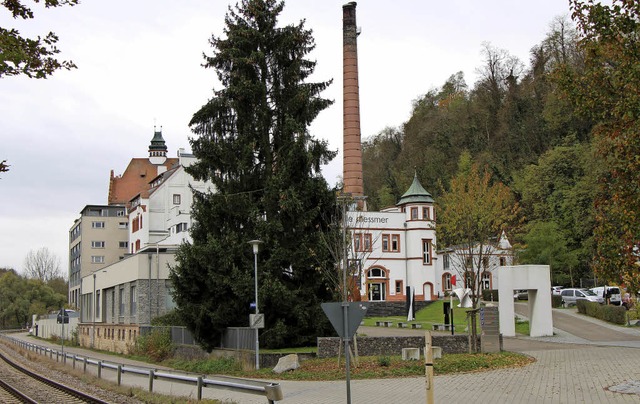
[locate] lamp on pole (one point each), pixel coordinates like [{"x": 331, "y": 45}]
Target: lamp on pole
[{"x": 256, "y": 247}]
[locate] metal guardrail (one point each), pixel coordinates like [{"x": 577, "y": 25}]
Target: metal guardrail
[{"x": 272, "y": 391}]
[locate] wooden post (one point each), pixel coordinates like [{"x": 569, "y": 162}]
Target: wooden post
[{"x": 428, "y": 364}]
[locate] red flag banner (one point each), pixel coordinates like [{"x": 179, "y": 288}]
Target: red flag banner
[{"x": 453, "y": 281}]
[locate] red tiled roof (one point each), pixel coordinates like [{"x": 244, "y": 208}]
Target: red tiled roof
[{"x": 134, "y": 180}]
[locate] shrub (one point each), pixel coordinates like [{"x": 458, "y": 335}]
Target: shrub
[
  {"x": 490, "y": 295},
  {"x": 384, "y": 361},
  {"x": 157, "y": 345},
  {"x": 611, "y": 314},
  {"x": 556, "y": 300}
]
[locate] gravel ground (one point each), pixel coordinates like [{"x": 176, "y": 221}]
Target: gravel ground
[{"x": 49, "y": 368}]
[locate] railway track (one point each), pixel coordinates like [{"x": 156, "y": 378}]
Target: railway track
[{"x": 21, "y": 385}]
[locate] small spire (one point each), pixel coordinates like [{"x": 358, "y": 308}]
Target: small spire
[{"x": 157, "y": 148}]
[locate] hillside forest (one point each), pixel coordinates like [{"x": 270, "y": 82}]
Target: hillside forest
[{"x": 560, "y": 131}]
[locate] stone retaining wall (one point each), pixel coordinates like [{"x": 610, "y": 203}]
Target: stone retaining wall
[
  {"x": 386, "y": 309},
  {"x": 375, "y": 346}
]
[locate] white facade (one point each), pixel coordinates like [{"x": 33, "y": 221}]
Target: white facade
[
  {"x": 395, "y": 248},
  {"x": 163, "y": 215},
  {"x": 136, "y": 289}
]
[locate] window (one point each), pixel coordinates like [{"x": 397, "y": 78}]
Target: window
[
  {"x": 123, "y": 244},
  {"x": 97, "y": 259},
  {"x": 120, "y": 213},
  {"x": 426, "y": 252},
  {"x": 485, "y": 262},
  {"x": 425, "y": 213},
  {"x": 180, "y": 227},
  {"x": 385, "y": 242},
  {"x": 121, "y": 313},
  {"x": 445, "y": 262},
  {"x": 468, "y": 263},
  {"x": 395, "y": 242},
  {"x": 97, "y": 244},
  {"x": 399, "y": 287},
  {"x": 134, "y": 300},
  {"x": 486, "y": 280},
  {"x": 362, "y": 242},
  {"x": 367, "y": 242},
  {"x": 176, "y": 199},
  {"x": 97, "y": 303},
  {"x": 503, "y": 261},
  {"x": 376, "y": 273},
  {"x": 97, "y": 225},
  {"x": 123, "y": 225},
  {"x": 446, "y": 281},
  {"x": 414, "y": 213}
]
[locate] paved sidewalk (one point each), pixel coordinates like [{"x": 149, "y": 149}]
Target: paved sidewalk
[{"x": 568, "y": 369}]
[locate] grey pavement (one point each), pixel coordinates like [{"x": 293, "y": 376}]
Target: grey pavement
[{"x": 569, "y": 368}]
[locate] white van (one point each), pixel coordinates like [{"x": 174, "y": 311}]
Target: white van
[{"x": 611, "y": 292}]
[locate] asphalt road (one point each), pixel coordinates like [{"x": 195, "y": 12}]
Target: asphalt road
[{"x": 584, "y": 327}]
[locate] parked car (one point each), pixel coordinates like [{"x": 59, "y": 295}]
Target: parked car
[
  {"x": 611, "y": 292},
  {"x": 571, "y": 295},
  {"x": 521, "y": 295},
  {"x": 555, "y": 290}
]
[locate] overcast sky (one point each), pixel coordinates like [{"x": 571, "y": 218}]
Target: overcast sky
[{"x": 139, "y": 64}]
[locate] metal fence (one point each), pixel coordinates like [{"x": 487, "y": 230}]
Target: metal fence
[
  {"x": 232, "y": 338},
  {"x": 239, "y": 338},
  {"x": 271, "y": 391},
  {"x": 179, "y": 335}
]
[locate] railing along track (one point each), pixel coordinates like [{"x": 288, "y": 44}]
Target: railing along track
[{"x": 62, "y": 393}]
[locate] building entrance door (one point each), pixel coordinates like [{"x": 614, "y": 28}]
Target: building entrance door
[{"x": 377, "y": 291}]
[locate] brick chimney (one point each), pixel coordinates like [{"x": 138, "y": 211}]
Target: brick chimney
[{"x": 352, "y": 146}]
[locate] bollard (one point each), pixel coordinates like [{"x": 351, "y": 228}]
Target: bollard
[
  {"x": 151, "y": 376},
  {"x": 85, "y": 364},
  {"x": 119, "y": 374},
  {"x": 199, "y": 388},
  {"x": 74, "y": 361},
  {"x": 99, "y": 369}
]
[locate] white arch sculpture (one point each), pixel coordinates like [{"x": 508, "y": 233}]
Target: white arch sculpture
[{"x": 537, "y": 280}]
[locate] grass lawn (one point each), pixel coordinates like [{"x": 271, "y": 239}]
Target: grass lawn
[{"x": 432, "y": 314}]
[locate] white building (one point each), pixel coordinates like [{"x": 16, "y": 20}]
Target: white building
[
  {"x": 117, "y": 298},
  {"x": 396, "y": 248},
  {"x": 162, "y": 214}
]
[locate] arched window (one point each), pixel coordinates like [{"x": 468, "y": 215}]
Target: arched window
[
  {"x": 377, "y": 284},
  {"x": 446, "y": 281},
  {"x": 376, "y": 273}
]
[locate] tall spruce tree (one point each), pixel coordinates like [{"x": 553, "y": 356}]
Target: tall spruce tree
[{"x": 252, "y": 142}]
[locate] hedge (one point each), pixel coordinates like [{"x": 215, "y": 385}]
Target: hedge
[{"x": 611, "y": 314}]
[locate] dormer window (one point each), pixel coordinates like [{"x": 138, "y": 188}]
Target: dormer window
[{"x": 425, "y": 213}]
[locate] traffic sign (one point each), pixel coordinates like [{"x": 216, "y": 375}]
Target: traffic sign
[
  {"x": 256, "y": 320},
  {"x": 355, "y": 314}
]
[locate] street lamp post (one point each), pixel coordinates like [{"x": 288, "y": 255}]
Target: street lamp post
[{"x": 256, "y": 247}]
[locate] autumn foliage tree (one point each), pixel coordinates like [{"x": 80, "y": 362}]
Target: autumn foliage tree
[
  {"x": 608, "y": 91},
  {"x": 475, "y": 210}
]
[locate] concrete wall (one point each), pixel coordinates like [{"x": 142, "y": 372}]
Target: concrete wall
[{"x": 48, "y": 328}]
